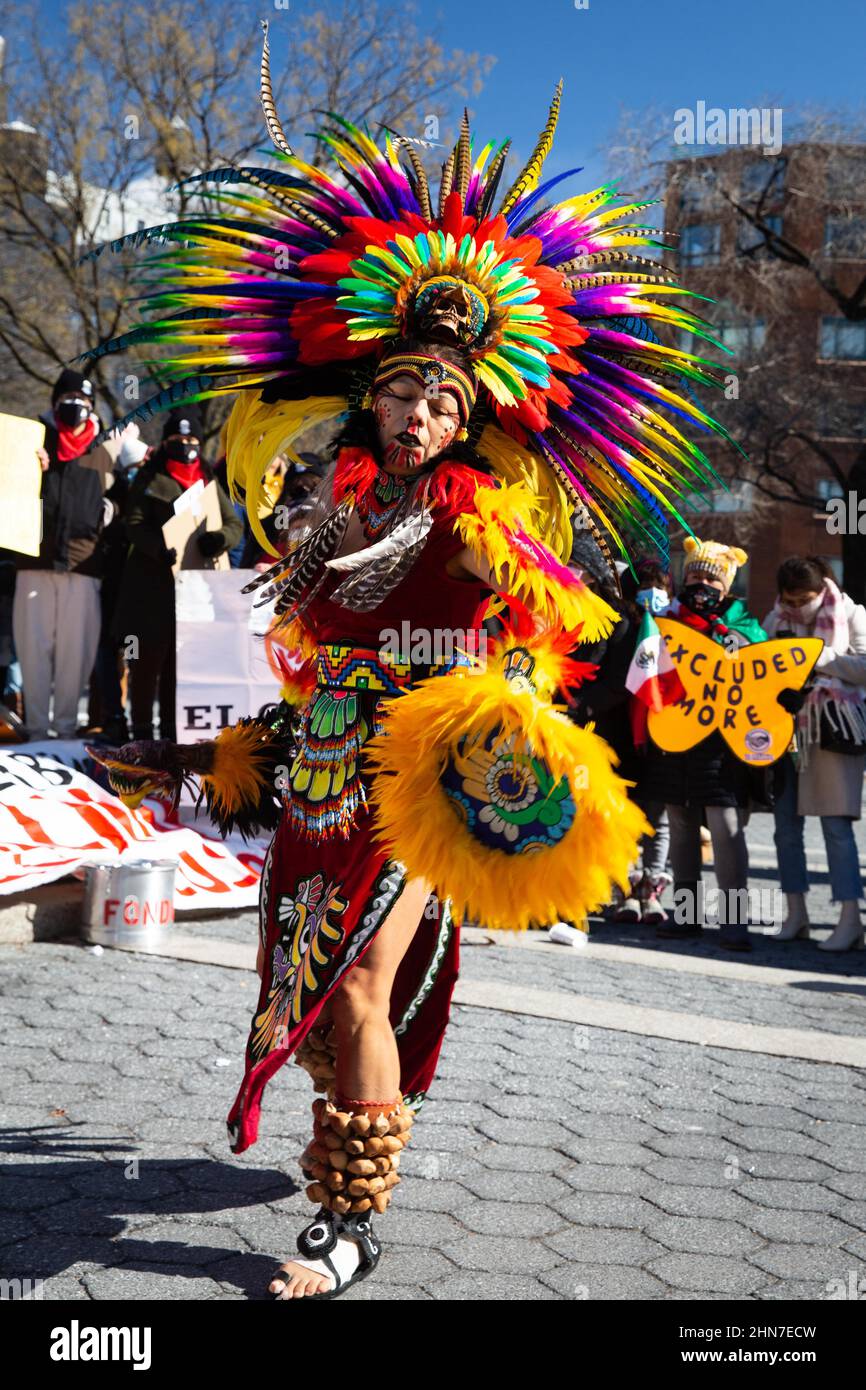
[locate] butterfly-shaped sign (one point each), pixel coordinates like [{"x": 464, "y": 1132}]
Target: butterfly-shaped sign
[{"x": 735, "y": 692}]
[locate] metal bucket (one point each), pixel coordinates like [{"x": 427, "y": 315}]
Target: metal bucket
[{"x": 130, "y": 904}]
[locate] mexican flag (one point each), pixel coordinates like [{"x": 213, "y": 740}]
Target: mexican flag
[{"x": 652, "y": 677}]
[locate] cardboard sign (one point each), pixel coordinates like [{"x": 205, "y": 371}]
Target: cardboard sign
[
  {"x": 20, "y": 484},
  {"x": 734, "y": 693},
  {"x": 196, "y": 510}
]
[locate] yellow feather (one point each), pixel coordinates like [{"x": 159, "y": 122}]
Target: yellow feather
[
  {"x": 568, "y": 879},
  {"x": 241, "y": 753}
]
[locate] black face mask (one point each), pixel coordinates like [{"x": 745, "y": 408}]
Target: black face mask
[
  {"x": 701, "y": 598},
  {"x": 72, "y": 413},
  {"x": 180, "y": 452}
]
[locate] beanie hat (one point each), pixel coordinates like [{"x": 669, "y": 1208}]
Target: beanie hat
[
  {"x": 70, "y": 380},
  {"x": 712, "y": 560},
  {"x": 183, "y": 419}
]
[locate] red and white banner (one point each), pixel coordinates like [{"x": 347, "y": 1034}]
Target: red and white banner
[{"x": 54, "y": 819}]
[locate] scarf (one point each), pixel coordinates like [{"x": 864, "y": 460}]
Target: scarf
[
  {"x": 185, "y": 474},
  {"x": 71, "y": 445},
  {"x": 843, "y": 704},
  {"x": 711, "y": 624}
]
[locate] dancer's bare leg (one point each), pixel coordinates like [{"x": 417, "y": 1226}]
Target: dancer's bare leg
[{"x": 368, "y": 1064}]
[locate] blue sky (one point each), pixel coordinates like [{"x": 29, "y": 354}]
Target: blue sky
[{"x": 629, "y": 53}]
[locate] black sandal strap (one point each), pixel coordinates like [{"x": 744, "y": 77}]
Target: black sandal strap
[{"x": 320, "y": 1237}]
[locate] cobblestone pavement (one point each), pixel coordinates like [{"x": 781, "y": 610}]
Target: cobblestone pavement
[{"x": 551, "y": 1161}]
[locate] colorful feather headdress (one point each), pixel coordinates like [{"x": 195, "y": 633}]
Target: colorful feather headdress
[{"x": 300, "y": 277}]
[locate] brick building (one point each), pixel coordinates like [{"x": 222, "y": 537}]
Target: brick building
[{"x": 797, "y": 397}]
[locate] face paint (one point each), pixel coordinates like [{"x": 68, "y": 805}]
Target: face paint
[{"x": 413, "y": 427}]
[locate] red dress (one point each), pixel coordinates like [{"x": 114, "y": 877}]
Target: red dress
[{"x": 323, "y": 900}]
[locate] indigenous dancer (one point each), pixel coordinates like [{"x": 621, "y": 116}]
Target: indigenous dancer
[{"x": 493, "y": 382}]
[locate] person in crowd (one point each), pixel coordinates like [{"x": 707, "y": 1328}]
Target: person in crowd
[
  {"x": 825, "y": 776},
  {"x": 603, "y": 701},
  {"x": 56, "y": 612},
  {"x": 145, "y": 605},
  {"x": 107, "y": 715},
  {"x": 650, "y": 877},
  {"x": 707, "y": 782}
]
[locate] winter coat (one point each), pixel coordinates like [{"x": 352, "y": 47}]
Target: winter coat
[
  {"x": 708, "y": 774},
  {"x": 604, "y": 700},
  {"x": 145, "y": 604},
  {"x": 831, "y": 784},
  {"x": 74, "y": 511}
]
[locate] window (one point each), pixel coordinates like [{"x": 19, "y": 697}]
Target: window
[
  {"x": 763, "y": 177},
  {"x": 750, "y": 239},
  {"x": 697, "y": 190},
  {"x": 828, "y": 487},
  {"x": 701, "y": 244},
  {"x": 742, "y": 338},
  {"x": 841, "y": 419},
  {"x": 845, "y": 237},
  {"x": 846, "y": 176},
  {"x": 841, "y": 341}
]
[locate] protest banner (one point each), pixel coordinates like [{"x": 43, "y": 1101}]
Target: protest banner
[
  {"x": 732, "y": 692},
  {"x": 54, "y": 819}
]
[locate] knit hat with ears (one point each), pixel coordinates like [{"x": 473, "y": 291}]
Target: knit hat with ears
[{"x": 712, "y": 560}]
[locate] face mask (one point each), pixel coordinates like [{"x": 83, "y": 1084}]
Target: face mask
[
  {"x": 701, "y": 598},
  {"x": 180, "y": 452},
  {"x": 654, "y": 600},
  {"x": 72, "y": 413},
  {"x": 807, "y": 612}
]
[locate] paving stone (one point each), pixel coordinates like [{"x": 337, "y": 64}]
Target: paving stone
[
  {"x": 807, "y": 1291},
  {"x": 495, "y": 1253},
  {"x": 589, "y": 1282},
  {"x": 795, "y": 1196},
  {"x": 696, "y": 1235},
  {"x": 714, "y": 1202},
  {"x": 523, "y": 1186},
  {"x": 585, "y": 1245},
  {"x": 604, "y": 1151},
  {"x": 822, "y": 1262},
  {"x": 475, "y": 1288},
  {"x": 800, "y": 1226},
  {"x": 143, "y": 1283},
  {"x": 527, "y": 1132},
  {"x": 711, "y": 1272},
  {"x": 596, "y": 1177},
  {"x": 604, "y": 1209},
  {"x": 511, "y": 1218}
]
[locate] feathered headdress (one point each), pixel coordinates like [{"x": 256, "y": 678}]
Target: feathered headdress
[{"x": 300, "y": 279}]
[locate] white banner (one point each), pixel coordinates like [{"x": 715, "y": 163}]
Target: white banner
[
  {"x": 222, "y": 665},
  {"x": 54, "y": 819}
]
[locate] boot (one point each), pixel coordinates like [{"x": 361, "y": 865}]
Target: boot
[
  {"x": 733, "y": 931},
  {"x": 688, "y": 911},
  {"x": 651, "y": 888},
  {"x": 796, "y": 923},
  {"x": 630, "y": 909},
  {"x": 848, "y": 932}
]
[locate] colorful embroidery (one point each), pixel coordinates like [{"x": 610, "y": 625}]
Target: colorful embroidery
[
  {"x": 307, "y": 944},
  {"x": 508, "y": 800},
  {"x": 326, "y": 791},
  {"x": 377, "y": 506}
]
